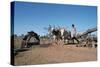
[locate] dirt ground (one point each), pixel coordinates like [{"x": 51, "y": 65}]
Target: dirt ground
[{"x": 55, "y": 54}]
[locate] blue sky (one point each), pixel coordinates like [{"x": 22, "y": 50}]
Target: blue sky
[{"x": 35, "y": 16}]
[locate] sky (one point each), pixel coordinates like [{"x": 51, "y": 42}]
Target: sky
[{"x": 31, "y": 16}]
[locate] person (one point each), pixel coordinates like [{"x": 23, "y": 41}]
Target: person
[{"x": 73, "y": 34}]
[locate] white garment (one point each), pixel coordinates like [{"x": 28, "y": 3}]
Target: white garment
[
  {"x": 62, "y": 31},
  {"x": 73, "y": 32}
]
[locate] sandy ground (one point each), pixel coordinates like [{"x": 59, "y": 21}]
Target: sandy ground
[{"x": 55, "y": 54}]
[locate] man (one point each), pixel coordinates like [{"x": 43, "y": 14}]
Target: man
[{"x": 73, "y": 34}]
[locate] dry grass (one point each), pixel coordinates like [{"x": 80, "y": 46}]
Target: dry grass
[
  {"x": 17, "y": 42},
  {"x": 47, "y": 53},
  {"x": 55, "y": 54}
]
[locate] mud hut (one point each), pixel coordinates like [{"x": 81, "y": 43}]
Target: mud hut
[{"x": 31, "y": 38}]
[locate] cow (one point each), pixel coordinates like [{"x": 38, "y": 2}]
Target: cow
[{"x": 60, "y": 35}]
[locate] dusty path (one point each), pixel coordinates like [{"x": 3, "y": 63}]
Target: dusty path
[{"x": 56, "y": 54}]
